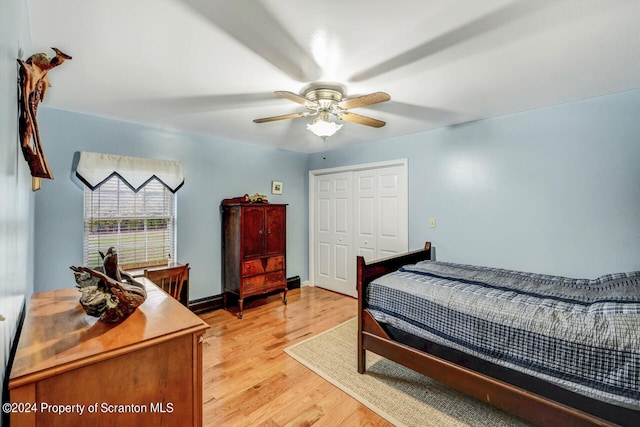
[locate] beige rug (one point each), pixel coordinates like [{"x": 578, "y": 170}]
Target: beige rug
[{"x": 400, "y": 395}]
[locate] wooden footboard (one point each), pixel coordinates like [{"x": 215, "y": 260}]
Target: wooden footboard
[{"x": 372, "y": 337}]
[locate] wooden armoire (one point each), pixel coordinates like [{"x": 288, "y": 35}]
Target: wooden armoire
[{"x": 253, "y": 249}]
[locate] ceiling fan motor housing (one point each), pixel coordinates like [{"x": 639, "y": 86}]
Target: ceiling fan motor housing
[{"x": 325, "y": 99}]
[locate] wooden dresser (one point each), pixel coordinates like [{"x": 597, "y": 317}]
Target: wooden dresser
[
  {"x": 253, "y": 249},
  {"x": 146, "y": 370}
]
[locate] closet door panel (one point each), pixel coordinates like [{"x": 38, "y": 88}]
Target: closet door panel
[
  {"x": 334, "y": 266},
  {"x": 323, "y": 266},
  {"x": 365, "y": 214},
  {"x": 392, "y": 236}
]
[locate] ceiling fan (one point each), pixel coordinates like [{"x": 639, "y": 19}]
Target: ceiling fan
[{"x": 326, "y": 102}]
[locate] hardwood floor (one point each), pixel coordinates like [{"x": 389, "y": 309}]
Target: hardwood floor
[{"x": 250, "y": 381}]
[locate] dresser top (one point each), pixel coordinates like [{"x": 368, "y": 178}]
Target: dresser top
[
  {"x": 252, "y": 204},
  {"x": 57, "y": 334}
]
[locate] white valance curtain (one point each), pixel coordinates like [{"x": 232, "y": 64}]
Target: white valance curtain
[{"x": 96, "y": 168}]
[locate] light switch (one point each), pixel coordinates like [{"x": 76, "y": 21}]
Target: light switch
[{"x": 432, "y": 223}]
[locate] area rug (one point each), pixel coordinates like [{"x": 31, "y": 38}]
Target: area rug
[{"x": 400, "y": 395}]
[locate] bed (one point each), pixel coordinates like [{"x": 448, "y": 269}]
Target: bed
[{"x": 552, "y": 350}]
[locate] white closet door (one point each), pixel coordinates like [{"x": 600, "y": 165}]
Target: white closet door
[
  {"x": 380, "y": 208},
  {"x": 335, "y": 267},
  {"x": 362, "y": 211},
  {"x": 365, "y": 212}
]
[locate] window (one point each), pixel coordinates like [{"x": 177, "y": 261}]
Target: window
[{"x": 140, "y": 225}]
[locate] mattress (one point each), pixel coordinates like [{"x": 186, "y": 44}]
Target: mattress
[{"x": 579, "y": 334}]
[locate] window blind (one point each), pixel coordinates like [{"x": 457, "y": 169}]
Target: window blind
[{"x": 140, "y": 225}]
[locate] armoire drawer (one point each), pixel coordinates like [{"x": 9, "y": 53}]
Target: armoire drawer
[
  {"x": 262, "y": 265},
  {"x": 262, "y": 282}
]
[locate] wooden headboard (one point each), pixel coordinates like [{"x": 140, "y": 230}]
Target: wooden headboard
[{"x": 366, "y": 273}]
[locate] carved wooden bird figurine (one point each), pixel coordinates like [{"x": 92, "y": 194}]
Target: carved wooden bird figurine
[{"x": 105, "y": 294}]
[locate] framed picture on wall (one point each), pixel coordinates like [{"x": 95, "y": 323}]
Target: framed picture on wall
[{"x": 276, "y": 187}]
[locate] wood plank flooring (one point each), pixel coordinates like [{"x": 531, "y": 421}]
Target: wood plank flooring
[{"x": 250, "y": 381}]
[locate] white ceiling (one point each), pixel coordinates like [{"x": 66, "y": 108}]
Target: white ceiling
[{"x": 210, "y": 67}]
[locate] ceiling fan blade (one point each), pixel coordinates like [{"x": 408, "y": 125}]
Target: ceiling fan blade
[
  {"x": 282, "y": 117},
  {"x": 477, "y": 27},
  {"x": 362, "y": 120},
  {"x": 361, "y": 101},
  {"x": 420, "y": 112},
  {"x": 202, "y": 103},
  {"x": 296, "y": 98},
  {"x": 248, "y": 22}
]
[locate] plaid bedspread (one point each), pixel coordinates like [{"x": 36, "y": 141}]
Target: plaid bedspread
[{"x": 581, "y": 334}]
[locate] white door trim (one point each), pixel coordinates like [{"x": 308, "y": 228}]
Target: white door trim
[{"x": 312, "y": 181}]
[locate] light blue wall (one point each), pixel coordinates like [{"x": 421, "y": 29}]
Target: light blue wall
[
  {"x": 16, "y": 198},
  {"x": 554, "y": 190},
  {"x": 213, "y": 170}
]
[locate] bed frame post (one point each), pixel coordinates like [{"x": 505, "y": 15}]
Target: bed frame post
[
  {"x": 362, "y": 355},
  {"x": 366, "y": 273}
]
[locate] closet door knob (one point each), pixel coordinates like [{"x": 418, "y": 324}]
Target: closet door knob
[{"x": 260, "y": 232}]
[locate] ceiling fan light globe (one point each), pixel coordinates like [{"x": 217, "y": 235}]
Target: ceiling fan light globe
[{"x": 322, "y": 128}]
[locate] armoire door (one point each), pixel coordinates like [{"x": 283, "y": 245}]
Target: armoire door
[
  {"x": 333, "y": 222},
  {"x": 252, "y": 231},
  {"x": 275, "y": 226}
]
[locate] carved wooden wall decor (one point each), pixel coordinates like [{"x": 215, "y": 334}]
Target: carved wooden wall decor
[{"x": 33, "y": 84}]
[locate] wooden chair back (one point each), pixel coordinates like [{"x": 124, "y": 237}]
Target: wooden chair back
[{"x": 170, "y": 279}]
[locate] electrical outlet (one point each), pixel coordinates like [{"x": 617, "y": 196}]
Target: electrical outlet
[{"x": 432, "y": 223}]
